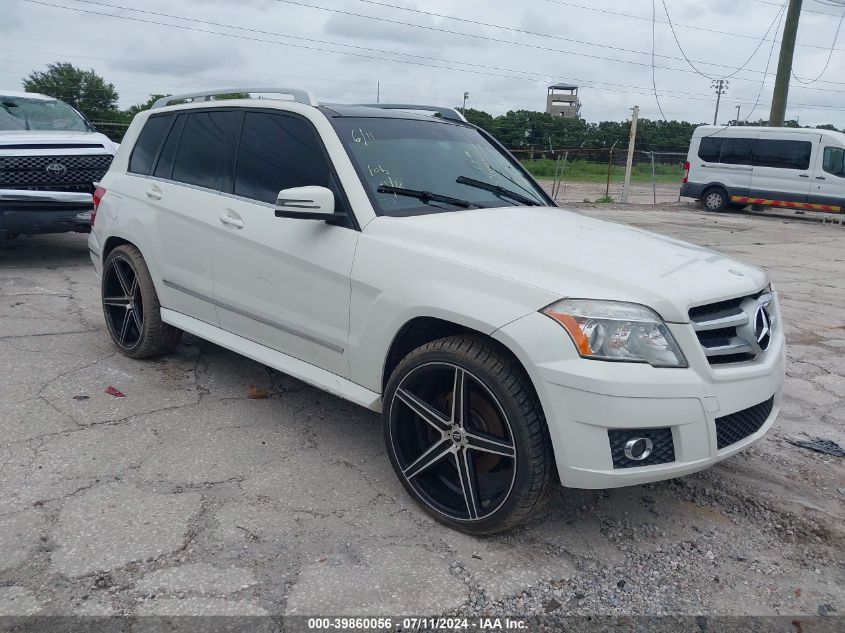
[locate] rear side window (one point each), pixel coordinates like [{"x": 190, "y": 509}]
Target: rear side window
[
  {"x": 709, "y": 149},
  {"x": 203, "y": 149},
  {"x": 737, "y": 151},
  {"x": 783, "y": 154},
  {"x": 833, "y": 161},
  {"x": 278, "y": 152},
  {"x": 149, "y": 140},
  {"x": 164, "y": 166}
]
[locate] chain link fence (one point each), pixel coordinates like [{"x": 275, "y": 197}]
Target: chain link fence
[
  {"x": 579, "y": 175},
  {"x": 114, "y": 130}
]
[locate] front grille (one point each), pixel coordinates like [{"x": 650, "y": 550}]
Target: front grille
[
  {"x": 31, "y": 172},
  {"x": 737, "y": 426},
  {"x": 663, "y": 449},
  {"x": 726, "y": 329}
]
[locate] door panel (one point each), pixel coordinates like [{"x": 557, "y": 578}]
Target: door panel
[
  {"x": 828, "y": 184},
  {"x": 184, "y": 189},
  {"x": 783, "y": 166},
  {"x": 283, "y": 282}
]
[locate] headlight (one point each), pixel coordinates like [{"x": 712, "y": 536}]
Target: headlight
[{"x": 613, "y": 330}]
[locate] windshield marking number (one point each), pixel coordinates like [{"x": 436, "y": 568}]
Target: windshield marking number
[{"x": 362, "y": 136}]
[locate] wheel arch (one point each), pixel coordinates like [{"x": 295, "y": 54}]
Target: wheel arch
[{"x": 424, "y": 329}]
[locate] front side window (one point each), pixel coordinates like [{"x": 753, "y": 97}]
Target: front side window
[
  {"x": 782, "y": 154},
  {"x": 276, "y": 152},
  {"x": 455, "y": 163},
  {"x": 204, "y": 148},
  {"x": 833, "y": 161},
  {"x": 149, "y": 140},
  {"x": 23, "y": 113}
]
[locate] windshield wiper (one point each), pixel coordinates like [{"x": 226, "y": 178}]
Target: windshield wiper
[
  {"x": 498, "y": 190},
  {"x": 427, "y": 196}
]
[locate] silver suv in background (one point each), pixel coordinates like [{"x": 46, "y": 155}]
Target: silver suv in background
[{"x": 50, "y": 158}]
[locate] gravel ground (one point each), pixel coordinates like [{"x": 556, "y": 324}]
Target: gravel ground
[{"x": 189, "y": 497}]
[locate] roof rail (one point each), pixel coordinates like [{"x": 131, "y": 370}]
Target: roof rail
[
  {"x": 446, "y": 113},
  {"x": 299, "y": 95}
]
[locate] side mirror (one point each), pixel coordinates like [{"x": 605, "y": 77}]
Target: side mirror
[{"x": 306, "y": 203}]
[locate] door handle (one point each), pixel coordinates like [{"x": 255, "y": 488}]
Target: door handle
[
  {"x": 231, "y": 220},
  {"x": 154, "y": 193},
  {"x": 803, "y": 175},
  {"x": 820, "y": 178}
]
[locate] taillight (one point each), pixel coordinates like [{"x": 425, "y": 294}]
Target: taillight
[
  {"x": 686, "y": 172},
  {"x": 99, "y": 192}
]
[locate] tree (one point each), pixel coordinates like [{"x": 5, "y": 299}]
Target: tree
[{"x": 85, "y": 90}]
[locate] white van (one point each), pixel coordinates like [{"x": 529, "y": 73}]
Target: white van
[{"x": 798, "y": 168}]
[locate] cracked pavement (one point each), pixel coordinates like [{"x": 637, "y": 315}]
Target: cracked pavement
[{"x": 188, "y": 497}]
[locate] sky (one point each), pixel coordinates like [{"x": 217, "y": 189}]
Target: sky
[{"x": 504, "y": 53}]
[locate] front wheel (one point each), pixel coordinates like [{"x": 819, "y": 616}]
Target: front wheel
[
  {"x": 131, "y": 307},
  {"x": 466, "y": 435}
]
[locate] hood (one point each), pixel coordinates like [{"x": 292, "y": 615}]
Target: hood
[
  {"x": 55, "y": 142},
  {"x": 571, "y": 255}
]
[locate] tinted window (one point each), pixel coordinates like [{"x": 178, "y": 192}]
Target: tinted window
[
  {"x": 833, "y": 161},
  {"x": 203, "y": 149},
  {"x": 164, "y": 166},
  {"x": 278, "y": 152},
  {"x": 709, "y": 149},
  {"x": 149, "y": 140},
  {"x": 737, "y": 151},
  {"x": 784, "y": 154}
]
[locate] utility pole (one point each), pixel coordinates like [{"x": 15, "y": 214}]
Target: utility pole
[
  {"x": 787, "y": 48},
  {"x": 378, "y": 91},
  {"x": 737, "y": 114},
  {"x": 630, "y": 163},
  {"x": 721, "y": 87},
  {"x": 464, "y": 108}
]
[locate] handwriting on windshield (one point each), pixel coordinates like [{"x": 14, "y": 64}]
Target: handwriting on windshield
[{"x": 362, "y": 136}]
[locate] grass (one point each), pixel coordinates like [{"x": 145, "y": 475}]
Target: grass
[{"x": 582, "y": 171}]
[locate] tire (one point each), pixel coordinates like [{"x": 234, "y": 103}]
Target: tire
[
  {"x": 499, "y": 438},
  {"x": 715, "y": 199},
  {"x": 131, "y": 307}
]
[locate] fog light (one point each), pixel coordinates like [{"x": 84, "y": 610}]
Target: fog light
[{"x": 638, "y": 448}]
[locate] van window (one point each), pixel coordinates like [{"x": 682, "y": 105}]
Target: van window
[
  {"x": 203, "y": 148},
  {"x": 833, "y": 161},
  {"x": 709, "y": 149},
  {"x": 738, "y": 151},
  {"x": 278, "y": 152},
  {"x": 782, "y": 154},
  {"x": 149, "y": 140},
  {"x": 760, "y": 152}
]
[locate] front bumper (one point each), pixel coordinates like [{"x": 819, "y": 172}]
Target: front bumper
[
  {"x": 584, "y": 399},
  {"x": 36, "y": 212}
]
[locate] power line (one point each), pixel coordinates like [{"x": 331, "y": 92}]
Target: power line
[
  {"x": 829, "y": 55},
  {"x": 243, "y": 37},
  {"x": 370, "y": 49},
  {"x": 768, "y": 63},
  {"x": 536, "y": 77},
  {"x": 745, "y": 63},
  {"x": 653, "y": 79},
  {"x": 534, "y": 33},
  {"x": 685, "y": 26}
]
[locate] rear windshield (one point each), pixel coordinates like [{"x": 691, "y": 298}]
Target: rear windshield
[{"x": 22, "y": 113}]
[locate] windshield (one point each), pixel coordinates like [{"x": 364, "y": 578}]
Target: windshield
[
  {"x": 21, "y": 113},
  {"x": 411, "y": 166}
]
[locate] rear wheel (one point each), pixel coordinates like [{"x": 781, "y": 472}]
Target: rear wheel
[
  {"x": 131, "y": 307},
  {"x": 715, "y": 199},
  {"x": 466, "y": 435}
]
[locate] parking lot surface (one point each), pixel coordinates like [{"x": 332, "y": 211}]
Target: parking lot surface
[{"x": 188, "y": 496}]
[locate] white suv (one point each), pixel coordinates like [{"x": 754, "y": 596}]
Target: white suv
[{"x": 407, "y": 262}]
